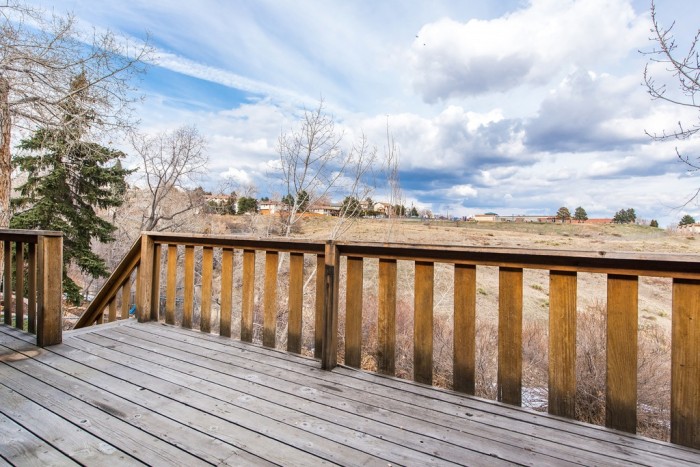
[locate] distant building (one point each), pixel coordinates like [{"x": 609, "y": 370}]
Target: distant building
[{"x": 268, "y": 208}]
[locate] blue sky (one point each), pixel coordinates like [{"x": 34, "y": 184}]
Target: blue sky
[{"x": 510, "y": 106}]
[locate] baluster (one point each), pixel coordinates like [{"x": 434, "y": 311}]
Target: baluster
[
  {"x": 621, "y": 368},
  {"x": 248, "y": 298},
  {"x": 270, "y": 299},
  {"x": 464, "y": 361},
  {"x": 207, "y": 268},
  {"x": 353, "y": 312},
  {"x": 423, "y": 323},
  {"x": 226, "y": 291},
  {"x": 510, "y": 335},
  {"x": 171, "y": 285},
  {"x": 562, "y": 343}
]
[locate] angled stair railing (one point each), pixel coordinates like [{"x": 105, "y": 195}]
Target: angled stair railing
[{"x": 107, "y": 296}]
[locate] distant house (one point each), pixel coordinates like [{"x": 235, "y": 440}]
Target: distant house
[
  {"x": 382, "y": 207},
  {"x": 326, "y": 210},
  {"x": 690, "y": 228},
  {"x": 268, "y": 208},
  {"x": 599, "y": 221}
]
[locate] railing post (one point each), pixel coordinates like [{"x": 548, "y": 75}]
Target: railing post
[
  {"x": 145, "y": 278},
  {"x": 50, "y": 291},
  {"x": 331, "y": 275}
]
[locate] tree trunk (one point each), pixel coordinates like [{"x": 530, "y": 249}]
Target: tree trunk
[{"x": 5, "y": 155}]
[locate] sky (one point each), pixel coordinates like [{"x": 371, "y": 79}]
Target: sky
[{"x": 513, "y": 107}]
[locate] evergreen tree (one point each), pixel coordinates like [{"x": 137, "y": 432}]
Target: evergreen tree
[
  {"x": 687, "y": 220},
  {"x": 654, "y": 223},
  {"x": 351, "y": 207},
  {"x": 580, "y": 214},
  {"x": 247, "y": 204},
  {"x": 625, "y": 216},
  {"x": 68, "y": 178}
]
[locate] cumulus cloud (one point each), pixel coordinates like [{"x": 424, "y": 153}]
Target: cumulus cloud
[
  {"x": 588, "y": 111},
  {"x": 462, "y": 191},
  {"x": 527, "y": 46}
]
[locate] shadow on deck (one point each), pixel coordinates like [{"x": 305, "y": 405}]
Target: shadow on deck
[{"x": 129, "y": 393}]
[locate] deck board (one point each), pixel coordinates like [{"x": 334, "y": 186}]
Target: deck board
[{"x": 164, "y": 395}]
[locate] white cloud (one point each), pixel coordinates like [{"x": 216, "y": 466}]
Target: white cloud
[
  {"x": 462, "y": 191},
  {"x": 527, "y": 46}
]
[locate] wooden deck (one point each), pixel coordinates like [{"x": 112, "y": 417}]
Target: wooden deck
[{"x": 131, "y": 393}]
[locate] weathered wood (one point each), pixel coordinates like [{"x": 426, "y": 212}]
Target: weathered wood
[
  {"x": 144, "y": 279},
  {"x": 171, "y": 285},
  {"x": 386, "y": 317},
  {"x": 621, "y": 367},
  {"x": 329, "y": 356},
  {"x": 510, "y": 335},
  {"x": 318, "y": 316},
  {"x": 270, "y": 299},
  {"x": 226, "y": 292},
  {"x": 464, "y": 360},
  {"x": 562, "y": 343},
  {"x": 19, "y": 285},
  {"x": 296, "y": 301},
  {"x": 50, "y": 291},
  {"x": 112, "y": 316},
  {"x": 248, "y": 296},
  {"x": 640, "y": 264},
  {"x": 188, "y": 299},
  {"x": 205, "y": 308},
  {"x": 353, "y": 312},
  {"x": 7, "y": 282},
  {"x": 155, "y": 282},
  {"x": 123, "y": 271},
  {"x": 415, "y": 408},
  {"x": 18, "y": 447},
  {"x": 56, "y": 431},
  {"x": 281, "y": 245},
  {"x": 423, "y": 323},
  {"x": 685, "y": 364},
  {"x": 31, "y": 287},
  {"x": 126, "y": 298}
]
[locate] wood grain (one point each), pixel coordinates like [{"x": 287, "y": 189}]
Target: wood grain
[
  {"x": 562, "y": 343},
  {"x": 226, "y": 292},
  {"x": 49, "y": 307},
  {"x": 423, "y": 323},
  {"x": 685, "y": 364},
  {"x": 331, "y": 282},
  {"x": 155, "y": 288},
  {"x": 270, "y": 299},
  {"x": 248, "y": 298},
  {"x": 171, "y": 286},
  {"x": 510, "y": 335},
  {"x": 621, "y": 367},
  {"x": 207, "y": 270},
  {"x": 464, "y": 359},
  {"x": 353, "y": 312}
]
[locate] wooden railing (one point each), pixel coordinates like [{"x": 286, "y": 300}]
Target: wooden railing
[
  {"x": 622, "y": 275},
  {"x": 33, "y": 269}
]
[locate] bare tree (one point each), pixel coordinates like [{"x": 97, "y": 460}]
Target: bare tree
[
  {"x": 360, "y": 163},
  {"x": 170, "y": 162},
  {"x": 684, "y": 67},
  {"x": 40, "y": 56},
  {"x": 311, "y": 161},
  {"x": 391, "y": 172}
]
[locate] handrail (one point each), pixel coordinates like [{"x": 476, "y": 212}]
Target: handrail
[
  {"x": 43, "y": 271},
  {"x": 116, "y": 280},
  {"x": 622, "y": 269}
]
